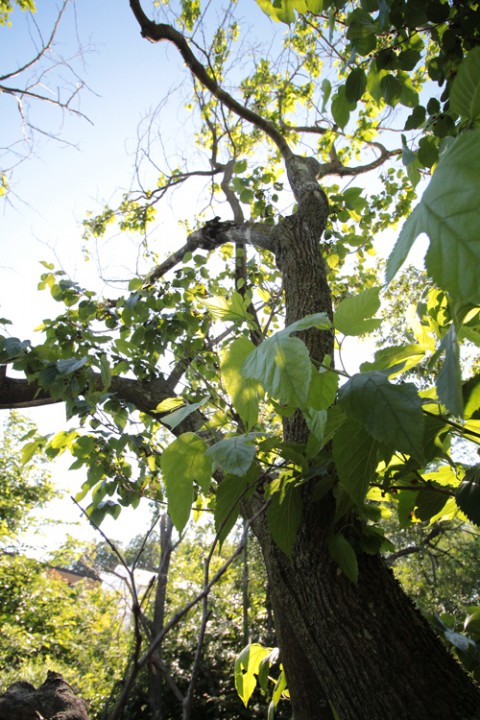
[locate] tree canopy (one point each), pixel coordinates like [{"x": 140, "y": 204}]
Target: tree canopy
[{"x": 215, "y": 382}]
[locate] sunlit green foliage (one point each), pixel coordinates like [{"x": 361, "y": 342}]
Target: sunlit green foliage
[
  {"x": 6, "y": 8},
  {"x": 22, "y": 489},
  {"x": 46, "y": 624}
]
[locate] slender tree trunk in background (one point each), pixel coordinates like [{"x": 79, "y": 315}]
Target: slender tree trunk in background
[
  {"x": 245, "y": 593},
  {"x": 156, "y": 679}
]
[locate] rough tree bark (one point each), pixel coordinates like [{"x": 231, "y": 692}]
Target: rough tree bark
[{"x": 53, "y": 700}]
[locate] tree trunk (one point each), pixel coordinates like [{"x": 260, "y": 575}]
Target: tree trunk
[
  {"x": 364, "y": 647},
  {"x": 156, "y": 678},
  {"x": 54, "y": 700}
]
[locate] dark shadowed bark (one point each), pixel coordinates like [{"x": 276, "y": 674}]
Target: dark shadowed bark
[
  {"x": 156, "y": 671},
  {"x": 54, "y": 700}
]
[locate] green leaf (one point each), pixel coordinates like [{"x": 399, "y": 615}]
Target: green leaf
[
  {"x": 341, "y": 107},
  {"x": 355, "y": 453},
  {"x": 323, "y": 389},
  {"x": 284, "y": 517},
  {"x": 326, "y": 92},
  {"x": 428, "y": 151},
  {"x": 449, "y": 381},
  {"x": 465, "y": 92},
  {"x": 281, "y": 364},
  {"x": 344, "y": 555},
  {"x": 176, "y": 417},
  {"x": 71, "y": 365},
  {"x": 459, "y": 641},
  {"x": 247, "y": 668},
  {"x": 316, "y": 421},
  {"x": 229, "y": 492},
  {"x": 105, "y": 372},
  {"x": 408, "y": 59},
  {"x": 391, "y": 89},
  {"x": 97, "y": 513},
  {"x": 184, "y": 462},
  {"x": 234, "y": 455},
  {"x": 12, "y": 347},
  {"x": 320, "y": 321},
  {"x": 416, "y": 118},
  {"x": 169, "y": 405},
  {"x": 354, "y": 314},
  {"x": 232, "y": 308},
  {"x": 392, "y": 414},
  {"x": 355, "y": 85},
  {"x": 243, "y": 392},
  {"x": 429, "y": 503},
  {"x": 30, "y": 449},
  {"x": 280, "y": 687},
  {"x": 396, "y": 359},
  {"x": 362, "y": 31},
  {"x": 472, "y": 623},
  {"x": 468, "y": 494},
  {"x": 449, "y": 213}
]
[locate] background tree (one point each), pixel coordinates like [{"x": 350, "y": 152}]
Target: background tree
[
  {"x": 22, "y": 488},
  {"x": 202, "y": 351},
  {"x": 46, "y": 623}
]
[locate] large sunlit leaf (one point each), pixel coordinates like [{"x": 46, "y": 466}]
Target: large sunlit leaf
[
  {"x": 243, "y": 391},
  {"x": 396, "y": 359},
  {"x": 176, "y": 417},
  {"x": 234, "y": 455},
  {"x": 392, "y": 414},
  {"x": 184, "y": 462},
  {"x": 316, "y": 320},
  {"x": 323, "y": 389},
  {"x": 232, "y": 308},
  {"x": 282, "y": 366},
  {"x": 354, "y": 314},
  {"x": 449, "y": 213},
  {"x": 449, "y": 382},
  {"x": 247, "y": 668},
  {"x": 465, "y": 92}
]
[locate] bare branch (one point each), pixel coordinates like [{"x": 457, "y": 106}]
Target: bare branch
[
  {"x": 156, "y": 32},
  {"x": 42, "y": 51}
]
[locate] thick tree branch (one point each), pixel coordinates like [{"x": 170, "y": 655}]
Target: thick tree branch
[
  {"x": 144, "y": 395},
  {"x": 212, "y": 235}
]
